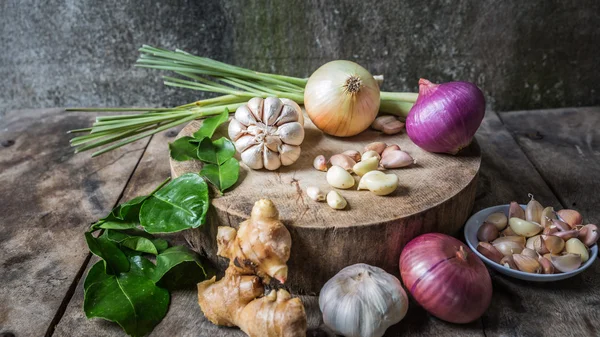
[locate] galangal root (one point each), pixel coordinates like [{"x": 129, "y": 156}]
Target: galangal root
[{"x": 257, "y": 252}]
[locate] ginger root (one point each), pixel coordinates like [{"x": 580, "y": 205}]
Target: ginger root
[{"x": 257, "y": 251}]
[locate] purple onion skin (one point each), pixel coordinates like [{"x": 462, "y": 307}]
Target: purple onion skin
[
  {"x": 450, "y": 285},
  {"x": 445, "y": 116}
]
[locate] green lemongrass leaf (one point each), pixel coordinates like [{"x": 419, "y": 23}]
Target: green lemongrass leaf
[
  {"x": 129, "y": 299},
  {"x": 182, "y": 149},
  {"x": 222, "y": 176},
  {"x": 216, "y": 152},
  {"x": 180, "y": 205},
  {"x": 210, "y": 125},
  {"x": 178, "y": 267},
  {"x": 134, "y": 242},
  {"x": 115, "y": 261}
]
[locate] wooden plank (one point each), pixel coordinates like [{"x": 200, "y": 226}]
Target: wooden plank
[
  {"x": 522, "y": 308},
  {"x": 48, "y": 196}
]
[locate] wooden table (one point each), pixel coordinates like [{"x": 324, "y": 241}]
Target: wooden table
[{"x": 49, "y": 196}]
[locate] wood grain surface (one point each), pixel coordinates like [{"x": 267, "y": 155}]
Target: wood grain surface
[
  {"x": 435, "y": 195},
  {"x": 543, "y": 160}
]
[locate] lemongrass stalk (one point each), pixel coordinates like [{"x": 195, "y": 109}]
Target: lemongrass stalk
[{"x": 399, "y": 96}]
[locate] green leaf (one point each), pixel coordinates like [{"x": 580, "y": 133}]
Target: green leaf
[
  {"x": 222, "y": 176},
  {"x": 182, "y": 150},
  {"x": 130, "y": 299},
  {"x": 133, "y": 242},
  {"x": 216, "y": 152},
  {"x": 119, "y": 224},
  {"x": 115, "y": 260},
  {"x": 178, "y": 267},
  {"x": 210, "y": 125},
  {"x": 180, "y": 205},
  {"x": 95, "y": 275},
  {"x": 130, "y": 210},
  {"x": 160, "y": 244}
]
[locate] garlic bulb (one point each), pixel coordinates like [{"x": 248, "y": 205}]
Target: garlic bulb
[
  {"x": 268, "y": 132},
  {"x": 362, "y": 301}
]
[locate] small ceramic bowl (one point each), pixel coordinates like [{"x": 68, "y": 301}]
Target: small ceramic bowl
[{"x": 477, "y": 219}]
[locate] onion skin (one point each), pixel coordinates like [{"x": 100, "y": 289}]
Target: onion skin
[
  {"x": 335, "y": 111},
  {"x": 449, "y": 287},
  {"x": 445, "y": 116}
]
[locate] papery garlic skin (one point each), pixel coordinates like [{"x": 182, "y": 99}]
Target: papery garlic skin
[
  {"x": 268, "y": 132},
  {"x": 362, "y": 301}
]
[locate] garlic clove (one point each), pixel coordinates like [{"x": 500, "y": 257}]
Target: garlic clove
[
  {"x": 291, "y": 112},
  {"x": 527, "y": 264},
  {"x": 244, "y": 143},
  {"x": 355, "y": 155},
  {"x": 498, "y": 219},
  {"x": 362, "y": 184},
  {"x": 381, "y": 184},
  {"x": 575, "y": 246},
  {"x": 390, "y": 148},
  {"x": 289, "y": 154},
  {"x": 508, "y": 232},
  {"x": 547, "y": 267},
  {"x": 566, "y": 263},
  {"x": 515, "y": 211},
  {"x": 376, "y": 146},
  {"x": 489, "y": 251},
  {"x": 487, "y": 232},
  {"x": 380, "y": 121},
  {"x": 549, "y": 230},
  {"x": 273, "y": 143},
  {"x": 235, "y": 130},
  {"x": 366, "y": 165},
  {"x": 291, "y": 133},
  {"x": 342, "y": 161},
  {"x": 255, "y": 106},
  {"x": 524, "y": 227},
  {"x": 339, "y": 177},
  {"x": 271, "y": 160},
  {"x": 370, "y": 154},
  {"x": 532, "y": 241},
  {"x": 509, "y": 262},
  {"x": 553, "y": 244},
  {"x": 566, "y": 235},
  {"x": 538, "y": 245},
  {"x": 335, "y": 200},
  {"x": 271, "y": 109},
  {"x": 508, "y": 247},
  {"x": 547, "y": 216},
  {"x": 396, "y": 159},
  {"x": 315, "y": 193},
  {"x": 514, "y": 238},
  {"x": 393, "y": 127},
  {"x": 320, "y": 163},
  {"x": 570, "y": 216},
  {"x": 245, "y": 116},
  {"x": 533, "y": 211},
  {"x": 252, "y": 157},
  {"x": 530, "y": 253},
  {"x": 589, "y": 234},
  {"x": 561, "y": 225}
]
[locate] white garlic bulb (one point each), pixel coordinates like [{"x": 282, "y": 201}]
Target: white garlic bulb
[
  {"x": 268, "y": 132},
  {"x": 362, "y": 301}
]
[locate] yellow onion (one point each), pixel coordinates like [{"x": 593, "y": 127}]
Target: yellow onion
[{"x": 341, "y": 98}]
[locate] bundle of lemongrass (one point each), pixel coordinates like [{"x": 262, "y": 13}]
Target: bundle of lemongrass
[{"x": 237, "y": 85}]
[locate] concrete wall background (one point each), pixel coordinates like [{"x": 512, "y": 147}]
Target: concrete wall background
[{"x": 523, "y": 54}]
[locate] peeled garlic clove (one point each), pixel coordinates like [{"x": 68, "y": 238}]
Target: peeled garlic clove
[
  {"x": 498, "y": 219},
  {"x": 339, "y": 178},
  {"x": 366, "y": 165},
  {"x": 514, "y": 238},
  {"x": 509, "y": 262},
  {"x": 380, "y": 121},
  {"x": 575, "y": 246},
  {"x": 489, "y": 251},
  {"x": 235, "y": 130},
  {"x": 342, "y": 161},
  {"x": 271, "y": 109},
  {"x": 244, "y": 143},
  {"x": 291, "y": 133},
  {"x": 362, "y": 184},
  {"x": 335, "y": 200},
  {"x": 487, "y": 232},
  {"x": 245, "y": 116},
  {"x": 566, "y": 263},
  {"x": 381, "y": 185},
  {"x": 390, "y": 148},
  {"x": 527, "y": 264},
  {"x": 553, "y": 244},
  {"x": 376, "y": 146},
  {"x": 547, "y": 216},
  {"x": 529, "y": 252},
  {"x": 370, "y": 154},
  {"x": 393, "y": 127},
  {"x": 291, "y": 112},
  {"x": 315, "y": 193},
  {"x": 547, "y": 267},
  {"x": 252, "y": 157},
  {"x": 289, "y": 154},
  {"x": 515, "y": 211},
  {"x": 396, "y": 159},
  {"x": 533, "y": 211},
  {"x": 255, "y": 106},
  {"x": 271, "y": 160},
  {"x": 320, "y": 163},
  {"x": 523, "y": 227},
  {"x": 570, "y": 216},
  {"x": 561, "y": 225},
  {"x": 566, "y": 235},
  {"x": 355, "y": 155},
  {"x": 589, "y": 234},
  {"x": 508, "y": 247}
]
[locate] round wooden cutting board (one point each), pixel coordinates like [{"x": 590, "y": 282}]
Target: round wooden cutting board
[{"x": 435, "y": 195}]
